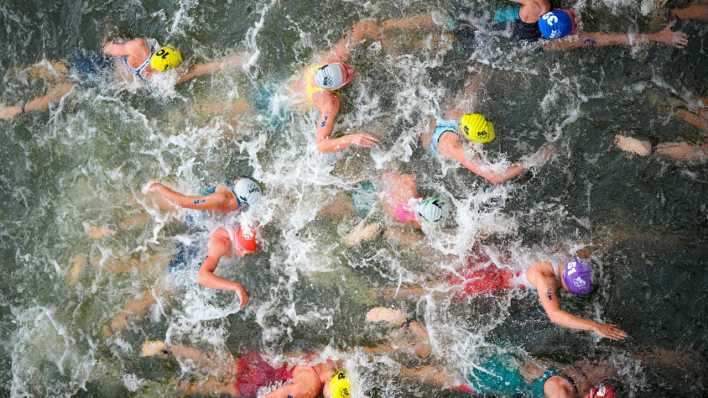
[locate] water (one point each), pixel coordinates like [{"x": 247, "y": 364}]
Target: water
[{"x": 84, "y": 163}]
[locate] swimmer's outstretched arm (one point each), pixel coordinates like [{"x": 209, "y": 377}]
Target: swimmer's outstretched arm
[
  {"x": 219, "y": 246},
  {"x": 214, "y": 201},
  {"x": 602, "y": 39},
  {"x": 456, "y": 152},
  {"x": 234, "y": 61},
  {"x": 548, "y": 297}
]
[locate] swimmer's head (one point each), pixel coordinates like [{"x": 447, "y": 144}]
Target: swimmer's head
[
  {"x": 246, "y": 240},
  {"x": 557, "y": 23},
  {"x": 477, "y": 128},
  {"x": 334, "y": 76},
  {"x": 165, "y": 59},
  {"x": 339, "y": 386},
  {"x": 577, "y": 277},
  {"x": 602, "y": 390},
  {"x": 430, "y": 210},
  {"x": 247, "y": 192}
]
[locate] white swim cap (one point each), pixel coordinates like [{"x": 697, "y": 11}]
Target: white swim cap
[
  {"x": 430, "y": 209},
  {"x": 329, "y": 77},
  {"x": 247, "y": 191}
]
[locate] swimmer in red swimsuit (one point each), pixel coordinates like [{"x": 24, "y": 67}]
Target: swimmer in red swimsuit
[{"x": 247, "y": 374}]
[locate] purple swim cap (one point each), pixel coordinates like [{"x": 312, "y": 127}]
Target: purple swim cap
[{"x": 577, "y": 276}]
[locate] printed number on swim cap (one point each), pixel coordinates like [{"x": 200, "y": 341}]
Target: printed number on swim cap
[
  {"x": 551, "y": 19},
  {"x": 482, "y": 133},
  {"x": 162, "y": 53},
  {"x": 571, "y": 268},
  {"x": 340, "y": 376}
]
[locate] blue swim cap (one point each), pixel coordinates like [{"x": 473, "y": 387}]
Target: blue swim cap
[{"x": 555, "y": 24}]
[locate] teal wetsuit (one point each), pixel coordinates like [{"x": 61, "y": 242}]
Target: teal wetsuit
[{"x": 500, "y": 375}]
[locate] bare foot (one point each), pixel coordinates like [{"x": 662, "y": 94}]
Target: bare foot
[
  {"x": 633, "y": 145},
  {"x": 78, "y": 263},
  {"x": 153, "y": 347},
  {"x": 10, "y": 112},
  {"x": 97, "y": 233},
  {"x": 362, "y": 232},
  {"x": 391, "y": 316}
]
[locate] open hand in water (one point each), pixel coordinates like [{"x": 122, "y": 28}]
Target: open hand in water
[
  {"x": 242, "y": 295},
  {"x": 362, "y": 139},
  {"x": 9, "y": 112},
  {"x": 540, "y": 157},
  {"x": 610, "y": 331},
  {"x": 667, "y": 36}
]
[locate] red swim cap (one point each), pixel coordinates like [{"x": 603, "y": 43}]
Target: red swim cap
[
  {"x": 602, "y": 390},
  {"x": 246, "y": 241}
]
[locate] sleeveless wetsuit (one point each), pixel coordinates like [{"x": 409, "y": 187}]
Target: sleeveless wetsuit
[
  {"x": 500, "y": 375},
  {"x": 403, "y": 214},
  {"x": 442, "y": 127},
  {"x": 138, "y": 72},
  {"x": 253, "y": 372}
]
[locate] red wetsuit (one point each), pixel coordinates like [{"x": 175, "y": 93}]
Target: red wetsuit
[
  {"x": 253, "y": 372},
  {"x": 481, "y": 275}
]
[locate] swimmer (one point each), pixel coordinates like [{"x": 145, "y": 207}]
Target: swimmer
[
  {"x": 230, "y": 243},
  {"x": 503, "y": 374},
  {"x": 574, "y": 275},
  {"x": 222, "y": 198},
  {"x": 511, "y": 374},
  {"x": 400, "y": 201},
  {"x": 224, "y": 242},
  {"x": 245, "y": 375},
  {"x": 534, "y": 19},
  {"x": 443, "y": 136},
  {"x": 318, "y": 85},
  {"x": 137, "y": 59}
]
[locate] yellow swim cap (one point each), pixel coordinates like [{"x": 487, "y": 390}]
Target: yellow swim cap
[
  {"x": 166, "y": 58},
  {"x": 477, "y": 129},
  {"x": 339, "y": 385}
]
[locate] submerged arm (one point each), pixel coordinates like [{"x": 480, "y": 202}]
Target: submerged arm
[
  {"x": 218, "y": 247},
  {"x": 456, "y": 152},
  {"x": 112, "y": 49},
  {"x": 231, "y": 62}
]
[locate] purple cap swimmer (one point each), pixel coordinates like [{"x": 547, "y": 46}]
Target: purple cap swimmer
[{"x": 577, "y": 277}]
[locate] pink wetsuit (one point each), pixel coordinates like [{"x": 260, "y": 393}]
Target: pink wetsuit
[
  {"x": 253, "y": 372},
  {"x": 402, "y": 214},
  {"x": 481, "y": 275}
]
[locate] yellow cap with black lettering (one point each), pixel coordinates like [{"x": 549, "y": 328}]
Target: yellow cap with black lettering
[
  {"x": 166, "y": 58},
  {"x": 477, "y": 128},
  {"x": 339, "y": 385}
]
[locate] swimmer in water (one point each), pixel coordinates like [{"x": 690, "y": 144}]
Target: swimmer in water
[
  {"x": 546, "y": 277},
  {"x": 535, "y": 19},
  {"x": 224, "y": 242},
  {"x": 443, "y": 136},
  {"x": 137, "y": 59},
  {"x": 238, "y": 195},
  {"x": 399, "y": 198},
  {"x": 318, "y": 85},
  {"x": 245, "y": 375},
  {"x": 222, "y": 198},
  {"x": 503, "y": 374}
]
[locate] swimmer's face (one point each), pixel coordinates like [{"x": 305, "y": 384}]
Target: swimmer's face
[{"x": 348, "y": 72}]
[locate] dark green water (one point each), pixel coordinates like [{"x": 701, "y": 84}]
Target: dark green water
[{"x": 83, "y": 162}]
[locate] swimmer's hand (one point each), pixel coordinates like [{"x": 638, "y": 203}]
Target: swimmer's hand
[
  {"x": 152, "y": 186},
  {"x": 242, "y": 295},
  {"x": 362, "y": 140},
  {"x": 540, "y": 157},
  {"x": 671, "y": 38},
  {"x": 608, "y": 331}
]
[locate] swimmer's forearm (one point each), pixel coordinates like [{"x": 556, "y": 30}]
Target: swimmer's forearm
[
  {"x": 208, "y": 279},
  {"x": 331, "y": 145},
  {"x": 570, "y": 321}
]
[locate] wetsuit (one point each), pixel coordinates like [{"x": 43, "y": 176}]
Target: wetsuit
[
  {"x": 442, "y": 127},
  {"x": 138, "y": 72},
  {"x": 253, "y": 373},
  {"x": 500, "y": 375}
]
